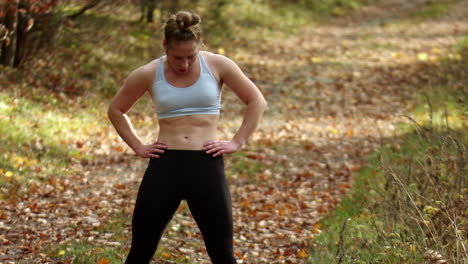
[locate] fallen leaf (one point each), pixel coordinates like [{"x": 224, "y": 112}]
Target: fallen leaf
[
  {"x": 302, "y": 253},
  {"x": 103, "y": 260}
]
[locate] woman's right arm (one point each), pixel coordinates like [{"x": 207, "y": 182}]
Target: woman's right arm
[{"x": 133, "y": 88}]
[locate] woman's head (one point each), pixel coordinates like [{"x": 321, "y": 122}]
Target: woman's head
[
  {"x": 181, "y": 27},
  {"x": 182, "y": 40}
]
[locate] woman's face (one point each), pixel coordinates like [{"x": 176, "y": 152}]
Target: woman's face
[{"x": 181, "y": 56}]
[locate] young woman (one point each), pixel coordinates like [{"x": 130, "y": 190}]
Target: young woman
[{"x": 186, "y": 161}]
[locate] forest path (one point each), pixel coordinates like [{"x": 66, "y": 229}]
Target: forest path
[{"x": 335, "y": 91}]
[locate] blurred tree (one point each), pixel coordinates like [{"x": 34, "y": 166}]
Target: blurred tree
[
  {"x": 166, "y": 8},
  {"x": 150, "y": 5},
  {"x": 89, "y": 5},
  {"x": 217, "y": 23},
  {"x": 147, "y": 10},
  {"x": 169, "y": 7},
  {"x": 9, "y": 26},
  {"x": 25, "y": 25}
]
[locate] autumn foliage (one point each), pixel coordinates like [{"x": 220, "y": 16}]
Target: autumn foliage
[
  {"x": 23, "y": 26},
  {"x": 336, "y": 92}
]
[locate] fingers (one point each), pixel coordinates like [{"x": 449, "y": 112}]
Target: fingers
[
  {"x": 218, "y": 153},
  {"x": 217, "y": 148},
  {"x": 212, "y": 144},
  {"x": 212, "y": 148},
  {"x": 157, "y": 150},
  {"x": 152, "y": 150},
  {"x": 160, "y": 144},
  {"x": 209, "y": 145}
]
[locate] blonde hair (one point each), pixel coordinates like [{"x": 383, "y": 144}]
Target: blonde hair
[{"x": 183, "y": 26}]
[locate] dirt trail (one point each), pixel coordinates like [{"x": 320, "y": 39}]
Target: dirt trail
[{"x": 334, "y": 91}]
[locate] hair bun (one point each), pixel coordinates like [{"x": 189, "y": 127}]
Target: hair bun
[
  {"x": 182, "y": 26},
  {"x": 185, "y": 19}
]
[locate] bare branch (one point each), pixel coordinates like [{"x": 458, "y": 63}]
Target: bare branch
[{"x": 90, "y": 5}]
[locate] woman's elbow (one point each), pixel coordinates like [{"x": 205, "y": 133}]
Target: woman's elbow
[
  {"x": 112, "y": 111},
  {"x": 263, "y": 103},
  {"x": 258, "y": 103}
]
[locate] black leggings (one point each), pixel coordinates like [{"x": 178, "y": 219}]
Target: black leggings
[{"x": 196, "y": 177}]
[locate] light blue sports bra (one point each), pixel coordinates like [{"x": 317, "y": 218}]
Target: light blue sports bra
[{"x": 201, "y": 98}]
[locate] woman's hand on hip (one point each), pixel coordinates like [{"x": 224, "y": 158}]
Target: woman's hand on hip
[
  {"x": 221, "y": 147},
  {"x": 151, "y": 150}
]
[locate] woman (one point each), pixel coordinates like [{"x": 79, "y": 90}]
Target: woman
[{"x": 186, "y": 161}]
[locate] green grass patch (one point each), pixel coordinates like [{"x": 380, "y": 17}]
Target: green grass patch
[
  {"x": 433, "y": 9},
  {"x": 83, "y": 252},
  {"x": 41, "y": 136},
  {"x": 242, "y": 166},
  {"x": 444, "y": 102},
  {"x": 255, "y": 14},
  {"x": 283, "y": 16},
  {"x": 407, "y": 201}
]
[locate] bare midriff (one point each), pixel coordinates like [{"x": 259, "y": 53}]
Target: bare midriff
[{"x": 188, "y": 132}]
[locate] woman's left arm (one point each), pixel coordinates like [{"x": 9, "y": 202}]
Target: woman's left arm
[{"x": 248, "y": 92}]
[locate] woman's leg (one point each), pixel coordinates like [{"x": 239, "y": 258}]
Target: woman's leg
[
  {"x": 155, "y": 205},
  {"x": 210, "y": 203}
]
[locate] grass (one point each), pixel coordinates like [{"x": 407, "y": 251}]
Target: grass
[
  {"x": 33, "y": 149},
  {"x": 84, "y": 252},
  {"x": 242, "y": 166},
  {"x": 434, "y": 9},
  {"x": 91, "y": 252},
  {"x": 409, "y": 204},
  {"x": 409, "y": 200}
]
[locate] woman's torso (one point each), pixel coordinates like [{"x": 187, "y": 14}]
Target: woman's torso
[{"x": 189, "y": 132}]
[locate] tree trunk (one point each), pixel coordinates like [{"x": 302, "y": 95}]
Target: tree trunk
[
  {"x": 22, "y": 33},
  {"x": 151, "y": 4},
  {"x": 142, "y": 9},
  {"x": 3, "y": 30},
  {"x": 11, "y": 24}
]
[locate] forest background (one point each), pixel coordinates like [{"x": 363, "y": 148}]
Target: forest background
[{"x": 360, "y": 158}]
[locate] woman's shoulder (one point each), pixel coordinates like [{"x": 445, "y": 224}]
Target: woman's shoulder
[
  {"x": 147, "y": 71},
  {"x": 208, "y": 55},
  {"x": 143, "y": 76},
  {"x": 215, "y": 60}
]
